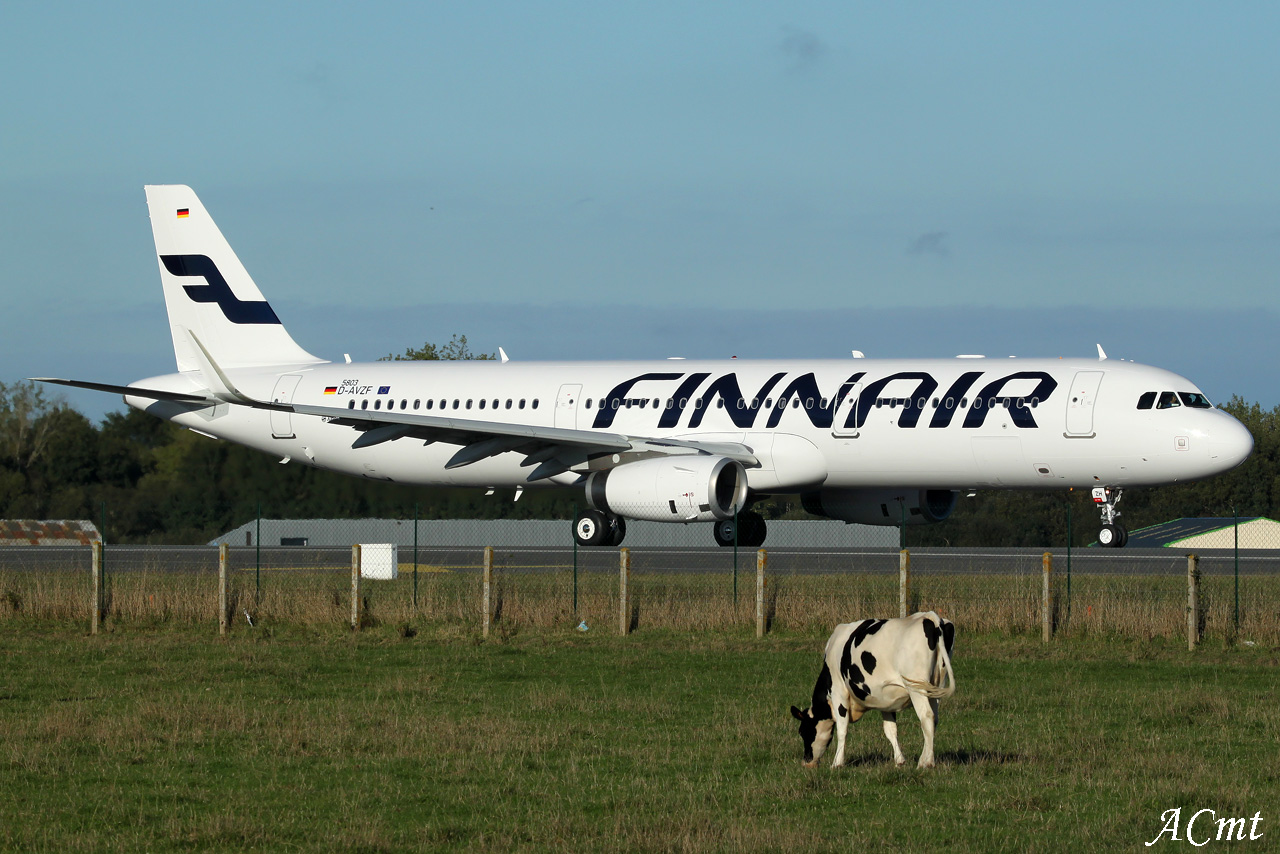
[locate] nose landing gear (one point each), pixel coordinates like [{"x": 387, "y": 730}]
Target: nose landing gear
[{"x": 1113, "y": 534}]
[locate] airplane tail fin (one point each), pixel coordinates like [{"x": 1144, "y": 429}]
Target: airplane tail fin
[{"x": 209, "y": 294}]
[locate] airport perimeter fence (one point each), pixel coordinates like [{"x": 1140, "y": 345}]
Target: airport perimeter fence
[{"x": 505, "y": 576}]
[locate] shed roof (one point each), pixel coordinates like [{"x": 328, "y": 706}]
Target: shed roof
[{"x": 47, "y": 532}]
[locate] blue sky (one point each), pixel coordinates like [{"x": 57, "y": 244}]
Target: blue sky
[{"x": 587, "y": 180}]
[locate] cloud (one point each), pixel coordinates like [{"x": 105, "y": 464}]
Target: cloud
[{"x": 930, "y": 243}]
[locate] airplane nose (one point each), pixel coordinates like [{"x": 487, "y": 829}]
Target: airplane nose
[{"x": 1230, "y": 443}]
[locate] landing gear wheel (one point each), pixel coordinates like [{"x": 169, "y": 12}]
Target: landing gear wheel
[
  {"x": 1113, "y": 536},
  {"x": 591, "y": 528},
  {"x": 723, "y": 531},
  {"x": 754, "y": 530},
  {"x": 1124, "y": 536},
  {"x": 617, "y": 531},
  {"x": 750, "y": 527}
]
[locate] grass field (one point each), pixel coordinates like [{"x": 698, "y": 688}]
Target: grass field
[{"x": 316, "y": 739}]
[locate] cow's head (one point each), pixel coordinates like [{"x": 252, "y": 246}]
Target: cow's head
[{"x": 815, "y": 733}]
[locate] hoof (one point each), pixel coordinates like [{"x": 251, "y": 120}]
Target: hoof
[{"x": 811, "y": 764}]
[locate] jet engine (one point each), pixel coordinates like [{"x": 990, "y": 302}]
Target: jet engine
[
  {"x": 670, "y": 489},
  {"x": 881, "y": 506}
]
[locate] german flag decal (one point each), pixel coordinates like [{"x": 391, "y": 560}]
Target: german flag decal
[
  {"x": 184, "y": 212},
  {"x": 333, "y": 389}
]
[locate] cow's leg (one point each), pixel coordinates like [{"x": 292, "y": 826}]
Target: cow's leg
[
  {"x": 891, "y": 733},
  {"x": 844, "y": 717},
  {"x": 926, "y": 710}
]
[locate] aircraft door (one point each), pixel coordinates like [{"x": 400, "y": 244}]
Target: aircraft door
[
  {"x": 845, "y": 423},
  {"x": 282, "y": 422},
  {"x": 1084, "y": 388},
  {"x": 567, "y": 406}
]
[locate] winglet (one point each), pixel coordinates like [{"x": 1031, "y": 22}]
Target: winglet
[
  {"x": 214, "y": 378},
  {"x": 1102, "y": 356}
]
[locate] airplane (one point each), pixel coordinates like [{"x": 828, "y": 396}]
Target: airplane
[{"x": 874, "y": 441}]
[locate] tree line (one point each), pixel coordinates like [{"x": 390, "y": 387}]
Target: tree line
[{"x": 148, "y": 480}]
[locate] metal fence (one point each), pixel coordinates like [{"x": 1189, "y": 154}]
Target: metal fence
[{"x": 815, "y": 575}]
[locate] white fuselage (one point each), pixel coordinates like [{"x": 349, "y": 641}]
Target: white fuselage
[{"x": 931, "y": 423}]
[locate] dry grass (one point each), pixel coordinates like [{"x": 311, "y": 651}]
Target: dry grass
[{"x": 1132, "y": 606}]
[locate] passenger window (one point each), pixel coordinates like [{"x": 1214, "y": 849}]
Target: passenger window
[
  {"x": 1168, "y": 400},
  {"x": 351, "y": 404},
  {"x": 1147, "y": 400},
  {"x": 588, "y": 401},
  {"x": 377, "y": 404},
  {"x": 417, "y": 403},
  {"x": 535, "y": 403},
  {"x": 1195, "y": 401}
]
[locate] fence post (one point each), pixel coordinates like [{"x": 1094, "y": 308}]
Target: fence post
[
  {"x": 96, "y": 605},
  {"x": 1046, "y": 598},
  {"x": 488, "y": 590},
  {"x": 762, "y": 563},
  {"x": 355, "y": 588},
  {"x": 223, "y": 550},
  {"x": 624, "y": 575},
  {"x": 1193, "y": 602},
  {"x": 904, "y": 581}
]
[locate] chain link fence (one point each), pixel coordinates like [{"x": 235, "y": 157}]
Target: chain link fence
[{"x": 816, "y": 574}]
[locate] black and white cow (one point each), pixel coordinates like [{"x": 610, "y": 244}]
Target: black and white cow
[{"x": 880, "y": 665}]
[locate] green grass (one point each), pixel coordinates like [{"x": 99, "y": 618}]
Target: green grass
[{"x": 304, "y": 739}]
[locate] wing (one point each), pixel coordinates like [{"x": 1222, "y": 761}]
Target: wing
[{"x": 550, "y": 451}]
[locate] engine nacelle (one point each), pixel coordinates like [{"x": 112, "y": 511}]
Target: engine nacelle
[
  {"x": 671, "y": 489},
  {"x": 881, "y": 506}
]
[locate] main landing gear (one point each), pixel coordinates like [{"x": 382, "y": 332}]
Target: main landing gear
[
  {"x": 1113, "y": 534},
  {"x": 750, "y": 531},
  {"x": 593, "y": 528}
]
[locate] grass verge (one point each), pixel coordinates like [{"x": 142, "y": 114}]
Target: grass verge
[{"x": 424, "y": 738}]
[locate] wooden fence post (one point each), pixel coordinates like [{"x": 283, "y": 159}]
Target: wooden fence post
[
  {"x": 1046, "y": 598},
  {"x": 762, "y": 563},
  {"x": 904, "y": 581},
  {"x": 355, "y": 588},
  {"x": 1193, "y": 602},
  {"x": 96, "y": 605},
  {"x": 488, "y": 591},
  {"x": 624, "y": 575},
  {"x": 223, "y": 550}
]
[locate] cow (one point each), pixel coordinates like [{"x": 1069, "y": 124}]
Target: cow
[{"x": 880, "y": 665}]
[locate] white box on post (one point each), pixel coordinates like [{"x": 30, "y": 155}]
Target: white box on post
[{"x": 379, "y": 561}]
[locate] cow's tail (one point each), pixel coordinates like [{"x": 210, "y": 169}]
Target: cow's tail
[{"x": 943, "y": 678}]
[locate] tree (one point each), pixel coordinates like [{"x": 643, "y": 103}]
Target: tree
[
  {"x": 24, "y": 429},
  {"x": 456, "y": 349}
]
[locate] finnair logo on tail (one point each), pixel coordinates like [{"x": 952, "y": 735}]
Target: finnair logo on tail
[{"x": 216, "y": 289}]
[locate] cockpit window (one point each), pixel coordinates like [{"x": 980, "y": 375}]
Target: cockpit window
[
  {"x": 1147, "y": 400},
  {"x": 1195, "y": 400},
  {"x": 1168, "y": 400}
]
